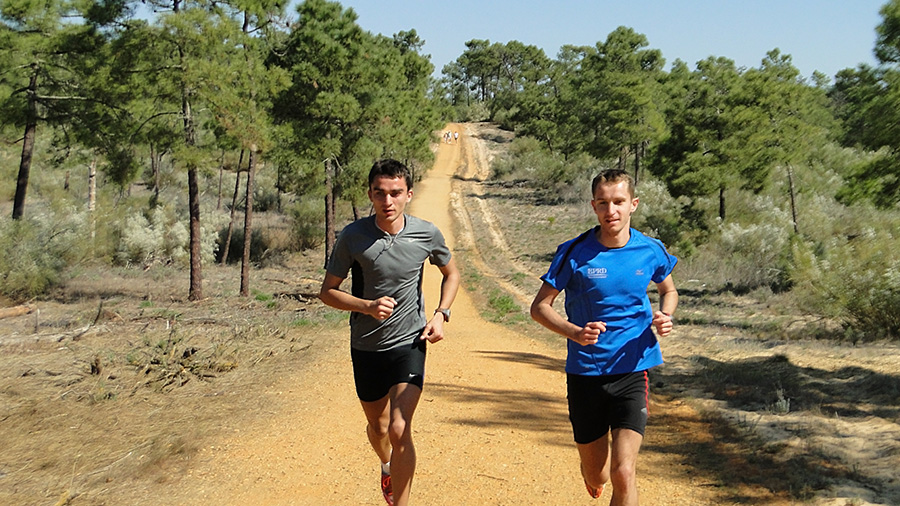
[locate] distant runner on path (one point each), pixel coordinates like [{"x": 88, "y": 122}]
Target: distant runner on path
[
  {"x": 388, "y": 326},
  {"x": 605, "y": 273}
]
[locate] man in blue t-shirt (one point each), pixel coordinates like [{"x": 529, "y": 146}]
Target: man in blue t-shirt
[{"x": 605, "y": 273}]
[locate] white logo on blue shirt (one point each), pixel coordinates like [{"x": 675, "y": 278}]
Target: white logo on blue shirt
[{"x": 596, "y": 272}]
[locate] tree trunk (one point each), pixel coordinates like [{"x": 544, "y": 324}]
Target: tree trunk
[
  {"x": 637, "y": 163},
  {"x": 234, "y": 199},
  {"x": 27, "y": 149},
  {"x": 790, "y": 172},
  {"x": 623, "y": 158},
  {"x": 196, "y": 289},
  {"x": 92, "y": 195},
  {"x": 219, "y": 189},
  {"x": 279, "y": 186},
  {"x": 329, "y": 211},
  {"x": 154, "y": 168},
  {"x": 722, "y": 203},
  {"x": 248, "y": 221}
]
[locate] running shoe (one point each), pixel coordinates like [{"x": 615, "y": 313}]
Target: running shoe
[
  {"x": 595, "y": 492},
  {"x": 386, "y": 490}
]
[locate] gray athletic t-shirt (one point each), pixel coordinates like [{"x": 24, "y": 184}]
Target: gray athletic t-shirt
[{"x": 382, "y": 264}]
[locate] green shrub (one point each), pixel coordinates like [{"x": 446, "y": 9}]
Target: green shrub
[
  {"x": 503, "y": 304},
  {"x": 258, "y": 245},
  {"x": 559, "y": 178},
  {"x": 659, "y": 214},
  {"x": 261, "y": 296},
  {"x": 758, "y": 248},
  {"x": 473, "y": 112},
  {"x": 34, "y": 253},
  {"x": 502, "y": 307},
  {"x": 265, "y": 199},
  {"x": 855, "y": 280},
  {"x": 308, "y": 227},
  {"x": 740, "y": 258}
]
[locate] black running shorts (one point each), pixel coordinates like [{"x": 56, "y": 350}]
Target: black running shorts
[
  {"x": 375, "y": 372},
  {"x": 598, "y": 404}
]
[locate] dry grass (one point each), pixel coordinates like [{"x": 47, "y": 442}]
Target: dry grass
[{"x": 117, "y": 381}]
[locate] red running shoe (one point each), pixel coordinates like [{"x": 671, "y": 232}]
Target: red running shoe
[
  {"x": 595, "y": 492},
  {"x": 386, "y": 490}
]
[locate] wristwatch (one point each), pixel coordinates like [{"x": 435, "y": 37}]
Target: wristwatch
[{"x": 443, "y": 311}]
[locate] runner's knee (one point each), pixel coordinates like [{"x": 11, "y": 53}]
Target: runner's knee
[
  {"x": 400, "y": 431},
  {"x": 623, "y": 476},
  {"x": 379, "y": 428}
]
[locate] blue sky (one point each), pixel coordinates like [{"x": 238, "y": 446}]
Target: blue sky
[{"x": 824, "y": 35}]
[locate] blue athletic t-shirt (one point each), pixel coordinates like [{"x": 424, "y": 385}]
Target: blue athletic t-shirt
[{"x": 610, "y": 285}]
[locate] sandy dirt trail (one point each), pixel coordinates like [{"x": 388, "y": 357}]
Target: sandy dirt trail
[{"x": 491, "y": 428}]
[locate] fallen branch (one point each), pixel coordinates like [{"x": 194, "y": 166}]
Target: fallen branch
[
  {"x": 10, "y": 312},
  {"x": 96, "y": 319},
  {"x": 298, "y": 296}
]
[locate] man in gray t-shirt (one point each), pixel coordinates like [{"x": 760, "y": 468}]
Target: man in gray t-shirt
[
  {"x": 386, "y": 264},
  {"x": 389, "y": 325}
]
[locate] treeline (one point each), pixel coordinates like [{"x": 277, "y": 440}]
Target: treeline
[
  {"x": 759, "y": 178},
  {"x": 701, "y": 129},
  {"x": 129, "y": 88}
]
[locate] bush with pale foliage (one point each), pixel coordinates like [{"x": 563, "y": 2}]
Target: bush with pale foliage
[
  {"x": 855, "y": 280},
  {"x": 34, "y": 252},
  {"x": 164, "y": 238}
]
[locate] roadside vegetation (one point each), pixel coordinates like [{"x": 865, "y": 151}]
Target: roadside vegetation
[{"x": 125, "y": 144}]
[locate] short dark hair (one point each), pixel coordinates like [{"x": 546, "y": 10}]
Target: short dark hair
[
  {"x": 613, "y": 176},
  {"x": 390, "y": 168}
]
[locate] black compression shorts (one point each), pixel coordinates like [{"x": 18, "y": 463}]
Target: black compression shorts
[
  {"x": 598, "y": 404},
  {"x": 375, "y": 372}
]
